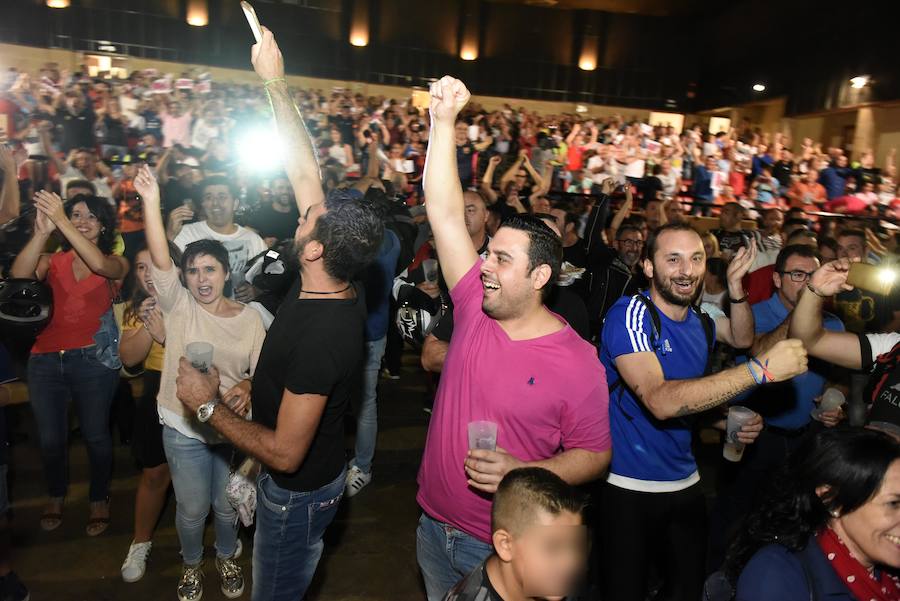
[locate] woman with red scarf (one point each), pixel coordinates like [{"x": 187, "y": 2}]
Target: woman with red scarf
[{"x": 829, "y": 527}]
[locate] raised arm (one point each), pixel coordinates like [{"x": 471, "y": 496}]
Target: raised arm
[
  {"x": 623, "y": 212},
  {"x": 538, "y": 179},
  {"x": 30, "y": 262},
  {"x": 667, "y": 399},
  {"x": 157, "y": 243},
  {"x": 46, "y": 142},
  {"x": 300, "y": 163},
  {"x": 443, "y": 191},
  {"x": 488, "y": 178},
  {"x": 840, "y": 348},
  {"x": 742, "y": 326},
  {"x": 112, "y": 267},
  {"x": 9, "y": 193},
  {"x": 510, "y": 173}
]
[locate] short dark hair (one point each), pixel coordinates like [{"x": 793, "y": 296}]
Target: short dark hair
[
  {"x": 544, "y": 246},
  {"x": 525, "y": 491},
  {"x": 828, "y": 242},
  {"x": 856, "y": 233},
  {"x": 796, "y": 221},
  {"x": 794, "y": 250},
  {"x": 351, "y": 233},
  {"x": 220, "y": 180},
  {"x": 653, "y": 238},
  {"x": 80, "y": 183},
  {"x": 105, "y": 214},
  {"x": 627, "y": 228},
  {"x": 800, "y": 234},
  {"x": 212, "y": 248}
]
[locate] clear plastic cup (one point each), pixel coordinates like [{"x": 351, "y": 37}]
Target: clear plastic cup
[
  {"x": 737, "y": 417},
  {"x": 832, "y": 398},
  {"x": 200, "y": 354},
  {"x": 483, "y": 435}
]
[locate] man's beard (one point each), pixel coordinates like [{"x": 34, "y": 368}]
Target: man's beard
[
  {"x": 666, "y": 290},
  {"x": 628, "y": 256}
]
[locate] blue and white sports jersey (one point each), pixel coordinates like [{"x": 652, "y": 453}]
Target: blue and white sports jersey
[{"x": 650, "y": 455}]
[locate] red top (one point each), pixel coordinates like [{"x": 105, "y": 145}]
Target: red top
[{"x": 77, "y": 307}]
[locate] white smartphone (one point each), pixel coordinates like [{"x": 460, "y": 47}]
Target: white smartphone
[{"x": 252, "y": 20}]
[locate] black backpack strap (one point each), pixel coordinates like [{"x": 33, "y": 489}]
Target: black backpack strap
[
  {"x": 709, "y": 332},
  {"x": 654, "y": 335}
]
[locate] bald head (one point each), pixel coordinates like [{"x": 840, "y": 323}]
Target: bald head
[{"x": 476, "y": 214}]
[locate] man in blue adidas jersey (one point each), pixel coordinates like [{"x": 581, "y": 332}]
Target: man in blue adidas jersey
[{"x": 652, "y": 509}]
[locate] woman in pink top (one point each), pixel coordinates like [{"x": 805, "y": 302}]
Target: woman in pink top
[{"x": 64, "y": 364}]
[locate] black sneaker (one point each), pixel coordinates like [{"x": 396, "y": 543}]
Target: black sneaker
[{"x": 12, "y": 589}]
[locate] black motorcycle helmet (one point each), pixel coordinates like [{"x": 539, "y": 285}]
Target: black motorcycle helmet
[{"x": 26, "y": 306}]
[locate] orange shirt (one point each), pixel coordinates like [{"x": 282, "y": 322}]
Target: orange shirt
[
  {"x": 803, "y": 195},
  {"x": 131, "y": 211}
]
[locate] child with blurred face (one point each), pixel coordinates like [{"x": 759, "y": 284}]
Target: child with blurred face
[{"x": 540, "y": 541}]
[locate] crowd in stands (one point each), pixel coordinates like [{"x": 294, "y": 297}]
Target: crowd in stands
[{"x": 599, "y": 289}]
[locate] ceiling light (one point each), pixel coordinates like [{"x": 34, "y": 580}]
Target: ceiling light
[
  {"x": 860, "y": 81},
  {"x": 758, "y": 87},
  {"x": 58, "y": 3}
]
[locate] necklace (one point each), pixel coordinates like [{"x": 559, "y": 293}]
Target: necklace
[{"x": 335, "y": 292}]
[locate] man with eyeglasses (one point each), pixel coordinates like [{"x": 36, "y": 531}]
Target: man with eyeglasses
[
  {"x": 785, "y": 406},
  {"x": 613, "y": 273}
]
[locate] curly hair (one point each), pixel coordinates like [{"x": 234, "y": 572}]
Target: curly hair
[
  {"x": 850, "y": 463},
  {"x": 351, "y": 234},
  {"x": 105, "y": 214}
]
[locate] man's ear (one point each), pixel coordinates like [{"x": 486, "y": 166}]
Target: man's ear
[
  {"x": 540, "y": 276},
  {"x": 503, "y": 545},
  {"x": 312, "y": 251},
  {"x": 647, "y": 264}
]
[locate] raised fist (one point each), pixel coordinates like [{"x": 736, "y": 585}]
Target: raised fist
[
  {"x": 785, "y": 360},
  {"x": 448, "y": 97}
]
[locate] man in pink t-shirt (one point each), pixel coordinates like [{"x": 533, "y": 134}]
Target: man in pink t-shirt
[{"x": 511, "y": 362}]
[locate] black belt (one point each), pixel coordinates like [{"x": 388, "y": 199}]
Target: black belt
[{"x": 788, "y": 433}]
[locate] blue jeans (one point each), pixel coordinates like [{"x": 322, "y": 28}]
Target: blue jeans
[
  {"x": 446, "y": 555},
  {"x": 288, "y": 542},
  {"x": 199, "y": 475},
  {"x": 53, "y": 379},
  {"x": 367, "y": 420}
]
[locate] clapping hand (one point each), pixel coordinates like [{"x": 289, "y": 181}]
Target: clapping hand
[{"x": 50, "y": 205}]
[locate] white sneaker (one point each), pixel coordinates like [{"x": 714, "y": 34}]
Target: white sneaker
[
  {"x": 356, "y": 481},
  {"x": 136, "y": 561}
]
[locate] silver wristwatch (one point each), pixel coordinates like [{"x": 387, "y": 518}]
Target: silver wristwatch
[{"x": 205, "y": 411}]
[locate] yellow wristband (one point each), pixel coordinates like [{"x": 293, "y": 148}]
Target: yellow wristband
[{"x": 273, "y": 80}]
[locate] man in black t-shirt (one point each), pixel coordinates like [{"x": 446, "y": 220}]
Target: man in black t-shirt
[
  {"x": 277, "y": 221},
  {"x": 308, "y": 368}
]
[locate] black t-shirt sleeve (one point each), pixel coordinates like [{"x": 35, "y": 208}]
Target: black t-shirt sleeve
[{"x": 311, "y": 372}]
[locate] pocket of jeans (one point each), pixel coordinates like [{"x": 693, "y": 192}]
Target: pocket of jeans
[
  {"x": 265, "y": 500},
  {"x": 321, "y": 515}
]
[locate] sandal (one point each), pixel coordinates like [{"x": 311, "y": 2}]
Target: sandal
[
  {"x": 98, "y": 525},
  {"x": 51, "y": 520}
]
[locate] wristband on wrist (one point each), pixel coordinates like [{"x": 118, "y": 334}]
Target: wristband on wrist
[
  {"x": 271, "y": 81},
  {"x": 756, "y": 379},
  {"x": 766, "y": 374},
  {"x": 809, "y": 287},
  {"x": 737, "y": 301}
]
